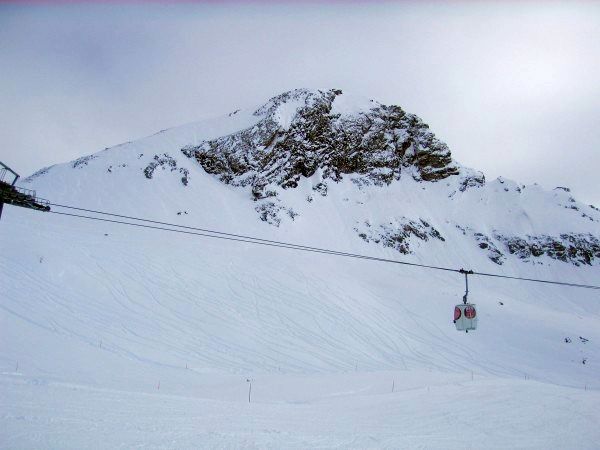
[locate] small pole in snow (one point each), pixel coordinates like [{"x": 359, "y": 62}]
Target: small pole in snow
[
  {"x": 158, "y": 387},
  {"x": 249, "y": 388},
  {"x": 100, "y": 343},
  {"x": 356, "y": 367},
  {"x": 393, "y": 385},
  {"x": 17, "y": 368},
  {"x": 186, "y": 366}
]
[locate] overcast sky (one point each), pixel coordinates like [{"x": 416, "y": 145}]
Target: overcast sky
[{"x": 512, "y": 87}]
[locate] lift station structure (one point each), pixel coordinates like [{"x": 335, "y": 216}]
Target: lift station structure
[{"x": 18, "y": 196}]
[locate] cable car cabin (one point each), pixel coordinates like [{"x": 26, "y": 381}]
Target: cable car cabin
[{"x": 465, "y": 317}]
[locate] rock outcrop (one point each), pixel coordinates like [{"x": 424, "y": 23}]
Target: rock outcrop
[
  {"x": 377, "y": 144},
  {"x": 398, "y": 233},
  {"x": 573, "y": 248}
]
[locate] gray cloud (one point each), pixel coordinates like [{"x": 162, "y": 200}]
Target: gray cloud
[{"x": 511, "y": 87}]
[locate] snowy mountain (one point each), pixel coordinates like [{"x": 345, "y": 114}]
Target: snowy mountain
[
  {"x": 303, "y": 145},
  {"x": 106, "y": 308}
]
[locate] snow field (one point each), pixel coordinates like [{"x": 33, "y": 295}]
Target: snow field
[
  {"x": 421, "y": 413},
  {"x": 113, "y": 336},
  {"x": 139, "y": 340}
]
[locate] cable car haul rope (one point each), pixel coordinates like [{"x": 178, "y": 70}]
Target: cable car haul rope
[
  {"x": 465, "y": 314},
  {"x": 204, "y": 232},
  {"x": 215, "y": 234}
]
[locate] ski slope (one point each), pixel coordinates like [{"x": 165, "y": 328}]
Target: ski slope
[
  {"x": 116, "y": 336},
  {"x": 454, "y": 413}
]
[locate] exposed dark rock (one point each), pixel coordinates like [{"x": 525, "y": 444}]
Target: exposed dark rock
[
  {"x": 397, "y": 234},
  {"x": 472, "y": 180},
  {"x": 321, "y": 188},
  {"x": 270, "y": 212},
  {"x": 485, "y": 243},
  {"x": 585, "y": 216},
  {"x": 83, "y": 161},
  {"x": 493, "y": 253},
  {"x": 462, "y": 229},
  {"x": 185, "y": 178},
  {"x": 165, "y": 161},
  {"x": 573, "y": 248},
  {"x": 44, "y": 171},
  {"x": 111, "y": 167},
  {"x": 377, "y": 145}
]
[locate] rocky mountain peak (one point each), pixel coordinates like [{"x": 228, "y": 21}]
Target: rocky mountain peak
[{"x": 302, "y": 131}]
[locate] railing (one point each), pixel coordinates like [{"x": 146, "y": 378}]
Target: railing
[
  {"x": 30, "y": 193},
  {"x": 18, "y": 196},
  {"x": 26, "y": 198},
  {"x": 42, "y": 201},
  {"x": 24, "y": 191}
]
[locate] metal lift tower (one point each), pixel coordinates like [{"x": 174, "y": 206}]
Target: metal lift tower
[{"x": 17, "y": 196}]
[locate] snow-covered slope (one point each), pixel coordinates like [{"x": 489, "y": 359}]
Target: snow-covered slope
[
  {"x": 308, "y": 156},
  {"x": 100, "y": 307}
]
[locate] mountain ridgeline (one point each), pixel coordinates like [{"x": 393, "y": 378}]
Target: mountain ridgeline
[
  {"x": 381, "y": 169},
  {"x": 376, "y": 144}
]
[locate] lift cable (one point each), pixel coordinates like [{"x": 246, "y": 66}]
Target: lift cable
[
  {"x": 251, "y": 240},
  {"x": 246, "y": 238},
  {"x": 204, "y": 232},
  {"x": 536, "y": 280}
]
